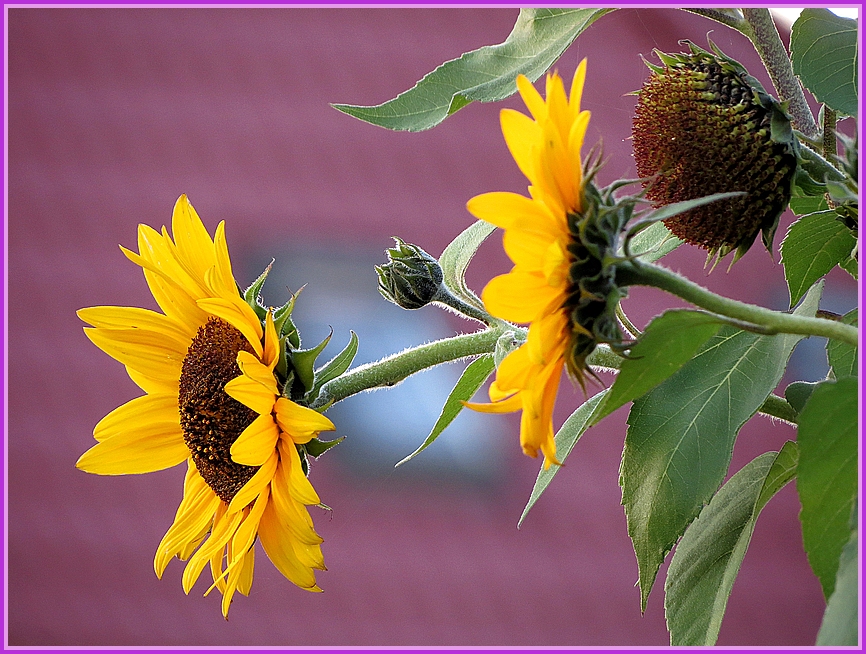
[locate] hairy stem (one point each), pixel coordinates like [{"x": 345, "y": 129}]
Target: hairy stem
[
  {"x": 395, "y": 368},
  {"x": 730, "y": 17},
  {"x": 765, "y": 38},
  {"x": 771, "y": 322}
]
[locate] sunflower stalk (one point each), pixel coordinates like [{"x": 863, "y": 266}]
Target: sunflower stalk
[
  {"x": 765, "y": 37},
  {"x": 774, "y": 322}
]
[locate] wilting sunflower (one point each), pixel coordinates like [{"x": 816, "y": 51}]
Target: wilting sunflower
[
  {"x": 557, "y": 284},
  {"x": 206, "y": 365}
]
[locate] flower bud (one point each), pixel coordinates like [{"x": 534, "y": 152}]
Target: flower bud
[
  {"x": 703, "y": 125},
  {"x": 412, "y": 278}
]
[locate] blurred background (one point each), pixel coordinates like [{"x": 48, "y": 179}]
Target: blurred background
[{"x": 112, "y": 114}]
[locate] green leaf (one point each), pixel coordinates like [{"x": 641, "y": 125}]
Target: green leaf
[
  {"x": 827, "y": 478},
  {"x": 668, "y": 342},
  {"x": 566, "y": 438},
  {"x": 654, "y": 242},
  {"x": 470, "y": 381},
  {"x": 488, "y": 74},
  {"x": 840, "y": 624},
  {"x": 681, "y": 435},
  {"x": 805, "y": 204},
  {"x": 457, "y": 255},
  {"x": 841, "y": 356},
  {"x": 824, "y": 56},
  {"x": 708, "y": 558},
  {"x": 812, "y": 247}
]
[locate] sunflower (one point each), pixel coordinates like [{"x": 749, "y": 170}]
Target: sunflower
[
  {"x": 206, "y": 365},
  {"x": 542, "y": 239}
]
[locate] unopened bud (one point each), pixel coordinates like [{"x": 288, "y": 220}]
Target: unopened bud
[{"x": 412, "y": 278}]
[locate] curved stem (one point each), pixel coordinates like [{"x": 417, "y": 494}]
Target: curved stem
[
  {"x": 730, "y": 17},
  {"x": 395, "y": 368},
  {"x": 765, "y": 38},
  {"x": 775, "y": 322}
]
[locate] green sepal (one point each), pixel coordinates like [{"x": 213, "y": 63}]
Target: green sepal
[
  {"x": 252, "y": 295},
  {"x": 304, "y": 361},
  {"x": 335, "y": 367},
  {"x": 315, "y": 448},
  {"x": 283, "y": 321},
  {"x": 798, "y": 392}
]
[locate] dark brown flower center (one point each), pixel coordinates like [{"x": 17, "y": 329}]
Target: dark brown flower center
[{"x": 211, "y": 420}]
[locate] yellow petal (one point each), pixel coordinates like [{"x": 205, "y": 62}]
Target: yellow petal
[
  {"x": 300, "y": 487},
  {"x": 252, "y": 394},
  {"x": 558, "y": 110},
  {"x": 223, "y": 281},
  {"x": 145, "y": 351},
  {"x": 577, "y": 88},
  {"x": 138, "y": 451},
  {"x": 153, "y": 386},
  {"x": 257, "y": 442},
  {"x": 136, "y": 318},
  {"x": 526, "y": 250},
  {"x": 193, "y": 243},
  {"x": 575, "y": 143},
  {"x": 523, "y": 137},
  {"x": 193, "y": 517},
  {"x": 513, "y": 373},
  {"x": 156, "y": 412},
  {"x": 508, "y": 405},
  {"x": 245, "y": 578},
  {"x": 255, "y": 370},
  {"x": 292, "y": 514},
  {"x": 224, "y": 527},
  {"x": 532, "y": 98},
  {"x": 518, "y": 296},
  {"x": 271, "y": 353},
  {"x": 239, "y": 314},
  {"x": 503, "y": 208},
  {"x": 257, "y": 484},
  {"x": 277, "y": 542},
  {"x": 300, "y": 422}
]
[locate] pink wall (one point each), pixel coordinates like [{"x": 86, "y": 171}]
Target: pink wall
[{"x": 112, "y": 115}]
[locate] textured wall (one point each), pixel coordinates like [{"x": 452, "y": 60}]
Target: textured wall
[{"x": 113, "y": 113}]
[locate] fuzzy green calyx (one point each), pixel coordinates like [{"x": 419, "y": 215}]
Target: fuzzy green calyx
[
  {"x": 703, "y": 125},
  {"x": 412, "y": 278},
  {"x": 593, "y": 291}
]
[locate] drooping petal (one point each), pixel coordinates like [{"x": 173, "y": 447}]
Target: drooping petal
[
  {"x": 224, "y": 526},
  {"x": 293, "y": 515},
  {"x": 194, "y": 516},
  {"x": 300, "y": 487},
  {"x": 277, "y": 542}
]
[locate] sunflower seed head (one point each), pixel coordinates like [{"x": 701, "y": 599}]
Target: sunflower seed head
[{"x": 702, "y": 125}]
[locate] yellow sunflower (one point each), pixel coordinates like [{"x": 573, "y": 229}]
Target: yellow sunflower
[
  {"x": 540, "y": 240},
  {"x": 206, "y": 365}
]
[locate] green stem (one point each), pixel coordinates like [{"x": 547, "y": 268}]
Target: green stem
[
  {"x": 778, "y": 407},
  {"x": 765, "y": 38},
  {"x": 773, "y": 322},
  {"x": 730, "y": 17},
  {"x": 395, "y": 368}
]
